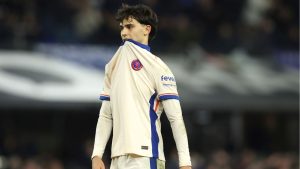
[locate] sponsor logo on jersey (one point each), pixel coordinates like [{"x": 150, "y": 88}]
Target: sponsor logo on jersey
[
  {"x": 144, "y": 147},
  {"x": 169, "y": 85},
  {"x": 167, "y": 78},
  {"x": 136, "y": 65}
]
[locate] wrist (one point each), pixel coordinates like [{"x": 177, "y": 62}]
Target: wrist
[
  {"x": 96, "y": 157},
  {"x": 185, "y": 167}
]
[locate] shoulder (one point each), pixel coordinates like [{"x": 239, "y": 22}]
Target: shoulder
[{"x": 161, "y": 66}]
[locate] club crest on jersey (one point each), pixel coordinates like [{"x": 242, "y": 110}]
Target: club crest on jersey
[{"x": 136, "y": 65}]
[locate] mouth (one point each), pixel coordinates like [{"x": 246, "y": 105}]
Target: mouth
[{"x": 125, "y": 39}]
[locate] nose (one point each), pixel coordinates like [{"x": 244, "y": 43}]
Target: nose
[{"x": 123, "y": 34}]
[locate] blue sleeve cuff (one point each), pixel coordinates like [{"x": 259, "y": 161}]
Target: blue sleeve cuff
[
  {"x": 166, "y": 97},
  {"x": 102, "y": 97}
]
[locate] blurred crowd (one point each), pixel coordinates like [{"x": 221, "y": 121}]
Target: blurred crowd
[
  {"x": 42, "y": 139},
  {"x": 257, "y": 26},
  {"x": 206, "y": 28},
  {"x": 219, "y": 159}
]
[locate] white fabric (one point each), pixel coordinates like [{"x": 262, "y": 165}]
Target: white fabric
[
  {"x": 103, "y": 129},
  {"x": 134, "y": 162},
  {"x": 174, "y": 114},
  {"x": 135, "y": 103}
]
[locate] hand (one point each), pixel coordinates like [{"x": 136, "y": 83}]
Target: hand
[
  {"x": 185, "y": 167},
  {"x": 97, "y": 163}
]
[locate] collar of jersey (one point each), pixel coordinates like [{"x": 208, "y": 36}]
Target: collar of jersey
[{"x": 139, "y": 44}]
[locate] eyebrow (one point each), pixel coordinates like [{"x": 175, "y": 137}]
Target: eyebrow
[{"x": 125, "y": 25}]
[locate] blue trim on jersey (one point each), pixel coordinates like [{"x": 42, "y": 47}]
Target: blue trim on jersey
[
  {"x": 153, "y": 163},
  {"x": 166, "y": 97},
  {"x": 154, "y": 135},
  {"x": 140, "y": 44},
  {"x": 104, "y": 98}
]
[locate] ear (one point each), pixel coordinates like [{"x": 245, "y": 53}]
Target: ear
[{"x": 147, "y": 29}]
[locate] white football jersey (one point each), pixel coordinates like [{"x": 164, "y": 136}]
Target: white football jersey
[{"x": 135, "y": 83}]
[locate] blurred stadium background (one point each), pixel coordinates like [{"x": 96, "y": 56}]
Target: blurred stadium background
[{"x": 236, "y": 64}]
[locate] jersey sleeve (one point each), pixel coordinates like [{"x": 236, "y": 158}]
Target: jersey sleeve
[
  {"x": 104, "y": 95},
  {"x": 165, "y": 82},
  {"x": 103, "y": 129},
  {"x": 174, "y": 115}
]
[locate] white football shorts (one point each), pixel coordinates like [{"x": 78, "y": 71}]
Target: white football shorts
[{"x": 136, "y": 162}]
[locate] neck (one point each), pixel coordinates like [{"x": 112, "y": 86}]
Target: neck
[
  {"x": 142, "y": 45},
  {"x": 145, "y": 42}
]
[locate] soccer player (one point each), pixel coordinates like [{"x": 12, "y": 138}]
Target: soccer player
[{"x": 138, "y": 86}]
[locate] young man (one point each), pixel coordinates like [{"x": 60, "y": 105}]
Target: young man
[{"x": 137, "y": 87}]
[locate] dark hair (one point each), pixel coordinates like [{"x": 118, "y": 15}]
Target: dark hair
[{"x": 142, "y": 13}]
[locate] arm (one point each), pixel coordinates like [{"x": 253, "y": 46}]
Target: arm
[
  {"x": 103, "y": 131},
  {"x": 174, "y": 114}
]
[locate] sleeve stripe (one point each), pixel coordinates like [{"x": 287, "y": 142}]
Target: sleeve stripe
[
  {"x": 106, "y": 97},
  {"x": 175, "y": 94},
  {"x": 165, "y": 97}
]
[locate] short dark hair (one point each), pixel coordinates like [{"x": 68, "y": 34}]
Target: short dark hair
[{"x": 142, "y": 13}]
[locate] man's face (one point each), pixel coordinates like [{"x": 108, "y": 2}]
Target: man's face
[{"x": 132, "y": 29}]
